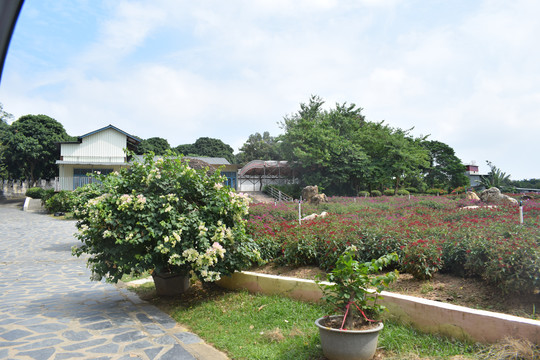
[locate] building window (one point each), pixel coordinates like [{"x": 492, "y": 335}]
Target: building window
[{"x": 81, "y": 176}]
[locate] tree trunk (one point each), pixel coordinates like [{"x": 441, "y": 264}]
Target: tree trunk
[{"x": 349, "y": 321}]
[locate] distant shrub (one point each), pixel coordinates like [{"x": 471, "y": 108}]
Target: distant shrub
[
  {"x": 459, "y": 190},
  {"x": 35, "y": 192},
  {"x": 62, "y": 201},
  {"x": 375, "y": 193},
  {"x": 403, "y": 192},
  {"x": 433, "y": 204},
  {"x": 436, "y": 191},
  {"x": 412, "y": 190},
  {"x": 389, "y": 192},
  {"x": 363, "y": 193}
]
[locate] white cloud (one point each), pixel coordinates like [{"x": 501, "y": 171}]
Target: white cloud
[{"x": 183, "y": 69}]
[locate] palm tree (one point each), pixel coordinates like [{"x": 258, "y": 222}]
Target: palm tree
[{"x": 495, "y": 178}]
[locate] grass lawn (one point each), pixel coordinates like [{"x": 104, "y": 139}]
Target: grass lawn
[{"x": 248, "y": 326}]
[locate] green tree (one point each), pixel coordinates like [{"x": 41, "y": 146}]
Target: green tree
[
  {"x": 528, "y": 184},
  {"x": 210, "y": 147},
  {"x": 31, "y": 148},
  {"x": 185, "y": 149},
  {"x": 156, "y": 144},
  {"x": 259, "y": 147},
  {"x": 323, "y": 146},
  {"x": 446, "y": 170},
  {"x": 394, "y": 155}
]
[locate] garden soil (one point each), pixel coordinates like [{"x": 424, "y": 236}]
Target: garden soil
[{"x": 472, "y": 293}]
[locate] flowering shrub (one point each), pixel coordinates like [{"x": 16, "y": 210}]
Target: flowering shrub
[
  {"x": 421, "y": 258},
  {"x": 514, "y": 265},
  {"x": 468, "y": 239},
  {"x": 161, "y": 215}
]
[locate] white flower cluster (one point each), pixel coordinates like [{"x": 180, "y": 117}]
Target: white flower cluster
[
  {"x": 126, "y": 201},
  {"x": 202, "y": 229},
  {"x": 202, "y": 261},
  {"x": 222, "y": 233},
  {"x": 155, "y": 173}
]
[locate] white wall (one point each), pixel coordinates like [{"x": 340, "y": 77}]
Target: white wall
[{"x": 104, "y": 146}]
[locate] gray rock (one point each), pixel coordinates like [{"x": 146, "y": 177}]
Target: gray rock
[{"x": 494, "y": 196}]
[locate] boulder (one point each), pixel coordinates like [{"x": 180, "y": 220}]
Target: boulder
[
  {"x": 472, "y": 196},
  {"x": 309, "y": 192},
  {"x": 493, "y": 196},
  {"x": 311, "y": 195},
  {"x": 319, "y": 198}
]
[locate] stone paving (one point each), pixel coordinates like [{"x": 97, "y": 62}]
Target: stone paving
[{"x": 49, "y": 309}]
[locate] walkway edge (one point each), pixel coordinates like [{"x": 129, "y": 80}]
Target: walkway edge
[{"x": 426, "y": 315}]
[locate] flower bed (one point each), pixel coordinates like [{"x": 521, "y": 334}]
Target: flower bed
[{"x": 429, "y": 233}]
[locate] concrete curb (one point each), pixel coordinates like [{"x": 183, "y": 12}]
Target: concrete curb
[
  {"x": 34, "y": 205},
  {"x": 426, "y": 315}
]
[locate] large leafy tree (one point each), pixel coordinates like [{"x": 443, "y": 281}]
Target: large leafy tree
[
  {"x": 445, "y": 170},
  {"x": 259, "y": 147},
  {"x": 205, "y": 146},
  {"x": 342, "y": 152},
  {"x": 31, "y": 148},
  {"x": 323, "y": 145},
  {"x": 394, "y": 156},
  {"x": 155, "y": 144}
]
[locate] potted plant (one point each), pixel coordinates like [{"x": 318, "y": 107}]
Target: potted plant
[
  {"x": 353, "y": 334},
  {"x": 164, "y": 217}
]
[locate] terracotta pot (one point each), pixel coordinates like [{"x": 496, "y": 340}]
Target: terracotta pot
[
  {"x": 170, "y": 284},
  {"x": 348, "y": 344}
]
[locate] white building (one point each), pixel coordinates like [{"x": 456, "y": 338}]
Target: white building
[{"x": 102, "y": 150}]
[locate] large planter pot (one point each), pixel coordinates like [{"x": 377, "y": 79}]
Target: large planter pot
[
  {"x": 348, "y": 344},
  {"x": 170, "y": 284}
]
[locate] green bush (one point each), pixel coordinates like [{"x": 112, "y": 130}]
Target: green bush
[
  {"x": 62, "y": 201},
  {"x": 403, "y": 192},
  {"x": 163, "y": 216},
  {"x": 422, "y": 259},
  {"x": 35, "y": 193},
  {"x": 363, "y": 193},
  {"x": 513, "y": 266},
  {"x": 300, "y": 252},
  {"x": 375, "y": 193},
  {"x": 412, "y": 190},
  {"x": 436, "y": 191},
  {"x": 389, "y": 192}
]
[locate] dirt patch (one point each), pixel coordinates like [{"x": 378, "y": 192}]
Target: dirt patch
[{"x": 472, "y": 293}]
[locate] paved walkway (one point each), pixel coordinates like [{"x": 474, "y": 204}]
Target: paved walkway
[{"x": 49, "y": 309}]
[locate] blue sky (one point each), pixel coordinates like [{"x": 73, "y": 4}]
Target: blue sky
[{"x": 465, "y": 72}]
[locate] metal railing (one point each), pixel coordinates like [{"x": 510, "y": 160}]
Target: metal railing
[{"x": 278, "y": 194}]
